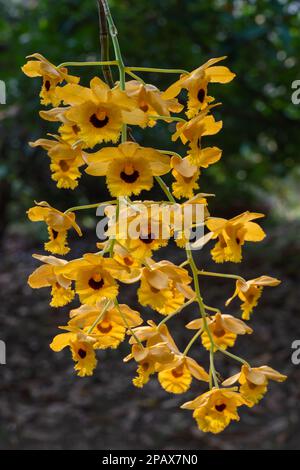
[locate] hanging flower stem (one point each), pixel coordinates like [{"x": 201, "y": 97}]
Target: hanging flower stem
[
  {"x": 194, "y": 270},
  {"x": 104, "y": 45},
  {"x": 156, "y": 70},
  {"x": 228, "y": 276},
  {"x": 88, "y": 64},
  {"x": 90, "y": 206}
]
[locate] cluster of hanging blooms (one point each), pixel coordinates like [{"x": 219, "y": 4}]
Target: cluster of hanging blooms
[{"x": 98, "y": 114}]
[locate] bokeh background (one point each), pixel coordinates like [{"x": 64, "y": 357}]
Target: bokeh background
[{"x": 42, "y": 403}]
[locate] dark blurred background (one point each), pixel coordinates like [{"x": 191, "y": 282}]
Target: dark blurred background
[{"x": 42, "y": 404}]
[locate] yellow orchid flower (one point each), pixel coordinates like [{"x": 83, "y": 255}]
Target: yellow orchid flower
[
  {"x": 65, "y": 161},
  {"x": 58, "y": 224},
  {"x": 147, "y": 357},
  {"x": 126, "y": 255},
  {"x": 177, "y": 376},
  {"x": 223, "y": 328},
  {"x": 196, "y": 83},
  {"x": 164, "y": 287},
  {"x": 201, "y": 125},
  {"x": 141, "y": 225},
  {"x": 203, "y": 157},
  {"x": 254, "y": 382},
  {"x": 94, "y": 276},
  {"x": 99, "y": 112},
  {"x": 150, "y": 100},
  {"x": 68, "y": 130},
  {"x": 46, "y": 276},
  {"x": 110, "y": 331},
  {"x": 249, "y": 292},
  {"x": 52, "y": 76},
  {"x": 232, "y": 234},
  {"x": 215, "y": 409},
  {"x": 186, "y": 216},
  {"x": 82, "y": 350},
  {"x": 129, "y": 168},
  {"x": 174, "y": 376},
  {"x": 186, "y": 176}
]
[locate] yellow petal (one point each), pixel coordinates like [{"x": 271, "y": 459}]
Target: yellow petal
[
  {"x": 231, "y": 380},
  {"x": 74, "y": 94},
  {"x": 235, "y": 325},
  {"x": 61, "y": 341},
  {"x": 32, "y": 68},
  {"x": 37, "y": 214},
  {"x": 209, "y": 155},
  {"x": 156, "y": 278},
  {"x": 50, "y": 260},
  {"x": 272, "y": 374},
  {"x": 265, "y": 281},
  {"x": 183, "y": 166},
  {"x": 255, "y": 376},
  {"x": 219, "y": 74},
  {"x": 40, "y": 277},
  {"x": 173, "y": 90},
  {"x": 99, "y": 88},
  {"x": 136, "y": 117},
  {"x": 98, "y": 169},
  {"x": 195, "y": 324},
  {"x": 215, "y": 223},
  {"x": 254, "y": 233},
  {"x": 196, "y": 370}
]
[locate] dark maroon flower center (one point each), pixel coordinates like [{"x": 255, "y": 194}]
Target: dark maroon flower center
[
  {"x": 178, "y": 372},
  {"x": 219, "y": 332},
  {"x": 144, "y": 107},
  {"x": 129, "y": 178},
  {"x": 104, "y": 327},
  {"x": 63, "y": 165},
  {"x": 221, "y": 407},
  {"x": 96, "y": 285},
  {"x": 147, "y": 238},
  {"x": 54, "y": 234},
  {"x": 75, "y": 128},
  {"x": 201, "y": 95},
  {"x": 98, "y": 123},
  {"x": 81, "y": 353},
  {"x": 47, "y": 85}
]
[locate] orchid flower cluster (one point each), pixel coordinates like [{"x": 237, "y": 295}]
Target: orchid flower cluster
[{"x": 88, "y": 117}]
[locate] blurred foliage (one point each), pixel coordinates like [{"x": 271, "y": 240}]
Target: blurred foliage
[{"x": 260, "y": 138}]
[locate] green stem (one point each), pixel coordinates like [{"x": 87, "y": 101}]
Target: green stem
[
  {"x": 192, "y": 342},
  {"x": 158, "y": 70},
  {"x": 127, "y": 324},
  {"x": 86, "y": 64},
  {"x": 114, "y": 37},
  {"x": 202, "y": 313},
  {"x": 213, "y": 309},
  {"x": 113, "y": 240},
  {"x": 175, "y": 313},
  {"x": 229, "y": 276},
  {"x": 233, "y": 356},
  {"x": 212, "y": 366},
  {"x": 170, "y": 152},
  {"x": 184, "y": 263},
  {"x": 210, "y": 379},
  {"x": 89, "y": 206},
  {"x": 165, "y": 189},
  {"x": 167, "y": 118},
  {"x": 133, "y": 75},
  {"x": 194, "y": 269},
  {"x": 104, "y": 45},
  {"x": 99, "y": 318}
]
